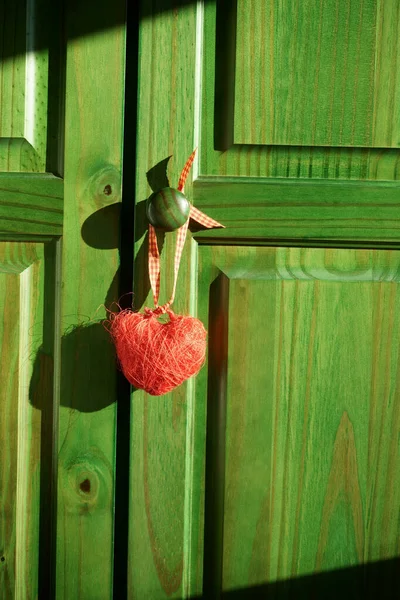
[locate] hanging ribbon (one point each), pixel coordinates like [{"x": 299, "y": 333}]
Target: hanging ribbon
[{"x": 154, "y": 255}]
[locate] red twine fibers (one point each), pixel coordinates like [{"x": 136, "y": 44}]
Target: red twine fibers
[{"x": 154, "y": 356}]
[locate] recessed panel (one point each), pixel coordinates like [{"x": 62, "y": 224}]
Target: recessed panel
[
  {"x": 26, "y": 332},
  {"x": 312, "y": 407},
  {"x": 317, "y": 73},
  {"x": 28, "y": 30}
]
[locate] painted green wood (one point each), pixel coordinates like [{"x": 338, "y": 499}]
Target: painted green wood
[
  {"x": 31, "y": 204},
  {"x": 218, "y": 23},
  {"x": 24, "y": 29},
  {"x": 47, "y": 188},
  {"x": 31, "y": 214},
  {"x": 311, "y": 73},
  {"x": 25, "y": 276},
  {"x": 269, "y": 312},
  {"x": 164, "y": 546},
  {"x": 311, "y": 458},
  {"x": 17, "y": 155},
  {"x": 261, "y": 208},
  {"x": 32, "y": 351},
  {"x": 93, "y": 155}
]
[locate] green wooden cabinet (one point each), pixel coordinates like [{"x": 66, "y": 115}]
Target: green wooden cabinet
[{"x": 275, "y": 472}]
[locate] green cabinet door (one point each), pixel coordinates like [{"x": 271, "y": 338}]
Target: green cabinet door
[
  {"x": 61, "y": 128},
  {"x": 275, "y": 471},
  {"x": 31, "y": 221}
]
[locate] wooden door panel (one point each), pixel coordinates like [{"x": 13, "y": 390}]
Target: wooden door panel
[
  {"x": 311, "y": 393},
  {"x": 31, "y": 223},
  {"x": 57, "y": 524},
  {"x": 299, "y": 89},
  {"x": 31, "y": 209},
  {"x": 164, "y": 540},
  {"x": 87, "y": 426},
  {"x": 301, "y": 383},
  {"x": 29, "y": 33},
  {"x": 28, "y": 290},
  {"x": 316, "y": 74}
]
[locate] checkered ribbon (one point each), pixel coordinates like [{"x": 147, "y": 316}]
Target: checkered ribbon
[
  {"x": 185, "y": 171},
  {"x": 154, "y": 255}
]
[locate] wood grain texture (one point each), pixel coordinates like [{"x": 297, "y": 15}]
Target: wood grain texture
[
  {"x": 23, "y": 285},
  {"x": 310, "y": 73},
  {"x": 31, "y": 208},
  {"x": 24, "y": 80},
  {"x": 17, "y": 155},
  {"x": 164, "y": 547},
  {"x": 93, "y": 155},
  {"x": 31, "y": 204},
  {"x": 311, "y": 468},
  {"x": 296, "y": 156},
  {"x": 261, "y": 208},
  {"x": 284, "y": 397},
  {"x": 214, "y": 503}
]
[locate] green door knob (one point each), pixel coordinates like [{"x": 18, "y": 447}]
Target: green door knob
[{"x": 168, "y": 209}]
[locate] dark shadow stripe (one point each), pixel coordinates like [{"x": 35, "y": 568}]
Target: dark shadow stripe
[
  {"x": 122, "y": 520},
  {"x": 225, "y": 61},
  {"x": 50, "y": 390},
  {"x": 215, "y": 440}
]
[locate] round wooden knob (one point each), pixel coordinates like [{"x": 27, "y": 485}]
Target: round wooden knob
[{"x": 168, "y": 209}]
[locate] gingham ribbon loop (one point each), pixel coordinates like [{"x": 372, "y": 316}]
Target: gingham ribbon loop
[
  {"x": 154, "y": 255},
  {"x": 185, "y": 171}
]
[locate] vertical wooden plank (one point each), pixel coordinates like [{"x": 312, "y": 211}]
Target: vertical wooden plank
[
  {"x": 45, "y": 394},
  {"x": 22, "y": 280},
  {"x": 216, "y": 432},
  {"x": 24, "y": 446},
  {"x": 30, "y": 303},
  {"x": 160, "y": 563},
  {"x": 93, "y": 155},
  {"x": 9, "y": 427}
]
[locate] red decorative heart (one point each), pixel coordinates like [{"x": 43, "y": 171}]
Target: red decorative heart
[{"x": 155, "y": 356}]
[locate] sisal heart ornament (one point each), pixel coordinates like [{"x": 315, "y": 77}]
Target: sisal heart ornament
[
  {"x": 154, "y": 356},
  {"x": 158, "y": 356}
]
